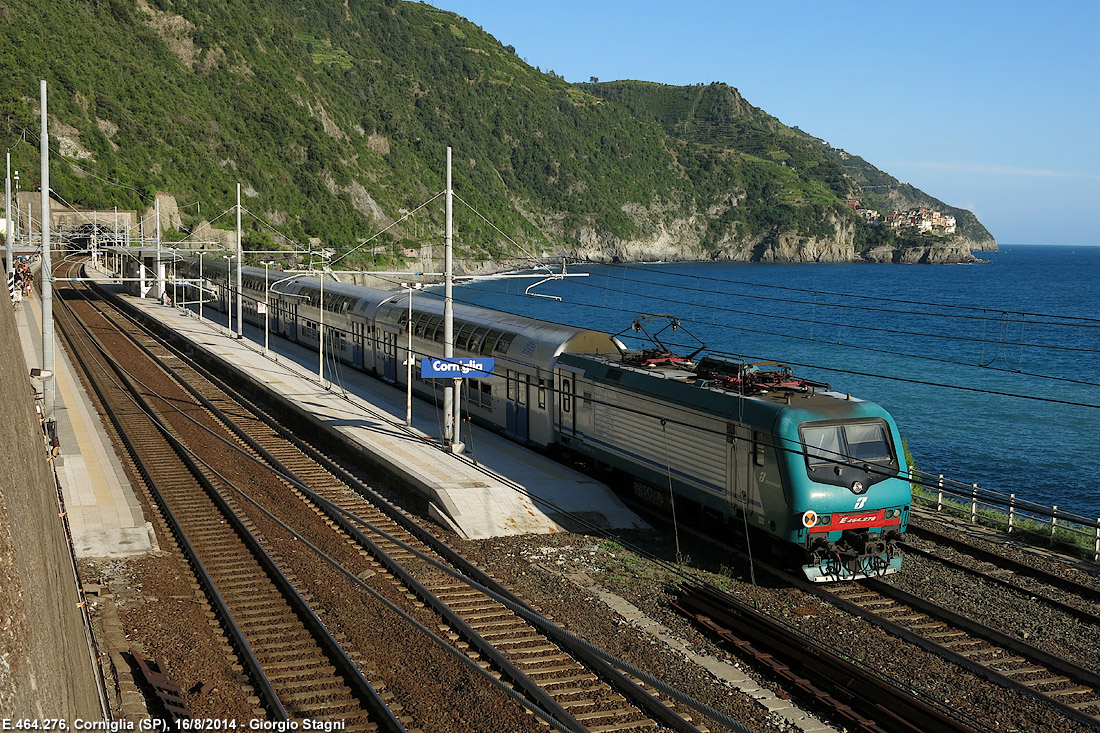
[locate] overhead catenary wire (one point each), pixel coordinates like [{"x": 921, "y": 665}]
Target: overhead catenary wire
[
  {"x": 860, "y": 373},
  {"x": 986, "y": 366},
  {"x": 649, "y": 410},
  {"x": 860, "y": 296},
  {"x": 894, "y": 331},
  {"x": 928, "y": 383},
  {"x": 1083, "y": 321}
]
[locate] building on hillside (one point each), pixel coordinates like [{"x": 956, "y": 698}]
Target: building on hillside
[{"x": 922, "y": 220}]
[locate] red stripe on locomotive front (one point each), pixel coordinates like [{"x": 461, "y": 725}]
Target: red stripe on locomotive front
[{"x": 857, "y": 520}]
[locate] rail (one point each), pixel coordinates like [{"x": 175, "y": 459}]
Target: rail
[
  {"x": 324, "y": 638},
  {"x": 862, "y": 698}
]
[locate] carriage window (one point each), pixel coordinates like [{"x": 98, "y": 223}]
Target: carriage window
[
  {"x": 419, "y": 322},
  {"x": 542, "y": 394},
  {"x": 476, "y": 338},
  {"x": 758, "y": 448},
  {"x": 463, "y": 338},
  {"x": 566, "y": 395},
  {"x": 480, "y": 394},
  {"x": 504, "y": 342},
  {"x": 490, "y": 341},
  {"x": 433, "y": 330},
  {"x": 510, "y": 377}
]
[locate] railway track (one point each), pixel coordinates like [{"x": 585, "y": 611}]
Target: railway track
[
  {"x": 572, "y": 686},
  {"x": 856, "y": 696},
  {"x": 1071, "y": 689},
  {"x": 998, "y": 657},
  {"x": 1069, "y": 596},
  {"x": 295, "y": 665}
]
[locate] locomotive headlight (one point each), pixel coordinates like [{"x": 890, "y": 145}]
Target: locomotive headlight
[
  {"x": 857, "y": 487},
  {"x": 824, "y": 520}
]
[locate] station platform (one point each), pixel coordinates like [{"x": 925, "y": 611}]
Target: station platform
[
  {"x": 104, "y": 515},
  {"x": 494, "y": 488}
]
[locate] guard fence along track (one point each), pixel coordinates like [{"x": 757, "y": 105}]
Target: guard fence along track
[
  {"x": 294, "y": 662},
  {"x": 570, "y": 684}
]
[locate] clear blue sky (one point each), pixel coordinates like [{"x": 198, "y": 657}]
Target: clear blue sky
[{"x": 990, "y": 106}]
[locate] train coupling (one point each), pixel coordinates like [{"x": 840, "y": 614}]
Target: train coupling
[{"x": 864, "y": 544}]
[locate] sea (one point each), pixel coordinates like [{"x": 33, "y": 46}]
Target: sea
[{"x": 991, "y": 370}]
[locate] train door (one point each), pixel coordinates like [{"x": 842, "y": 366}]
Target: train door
[
  {"x": 291, "y": 317},
  {"x": 566, "y": 409},
  {"x": 517, "y": 409},
  {"x": 540, "y": 421},
  {"x": 389, "y": 356},
  {"x": 523, "y": 407},
  {"x": 274, "y": 316},
  {"x": 357, "y": 344},
  {"x": 736, "y": 485},
  {"x": 744, "y": 451},
  {"x": 370, "y": 348}
]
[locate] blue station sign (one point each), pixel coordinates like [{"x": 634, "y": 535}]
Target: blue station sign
[{"x": 435, "y": 368}]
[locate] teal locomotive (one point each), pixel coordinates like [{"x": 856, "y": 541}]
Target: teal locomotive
[{"x": 788, "y": 457}]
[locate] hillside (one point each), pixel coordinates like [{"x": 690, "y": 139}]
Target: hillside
[
  {"x": 716, "y": 115},
  {"x": 335, "y": 117}
]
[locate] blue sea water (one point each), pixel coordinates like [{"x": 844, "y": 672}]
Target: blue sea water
[{"x": 991, "y": 370}]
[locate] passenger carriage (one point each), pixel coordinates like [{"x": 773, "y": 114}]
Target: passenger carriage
[{"x": 520, "y": 401}]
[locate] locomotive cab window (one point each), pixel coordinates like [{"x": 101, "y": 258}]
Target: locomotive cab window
[
  {"x": 868, "y": 442},
  {"x": 844, "y": 446},
  {"x": 823, "y": 445}
]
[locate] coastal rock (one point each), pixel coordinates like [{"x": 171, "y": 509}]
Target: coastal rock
[{"x": 957, "y": 254}]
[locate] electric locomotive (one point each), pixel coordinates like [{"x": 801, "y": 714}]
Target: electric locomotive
[{"x": 813, "y": 468}]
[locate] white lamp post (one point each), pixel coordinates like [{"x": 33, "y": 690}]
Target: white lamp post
[
  {"x": 412, "y": 287},
  {"x": 228, "y": 289},
  {"x": 15, "y": 227},
  {"x": 267, "y": 302},
  {"x": 202, "y": 286},
  {"x": 323, "y": 254}
]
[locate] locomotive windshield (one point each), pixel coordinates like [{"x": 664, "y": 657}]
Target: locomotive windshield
[{"x": 847, "y": 443}]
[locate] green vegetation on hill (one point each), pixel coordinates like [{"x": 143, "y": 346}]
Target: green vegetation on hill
[
  {"x": 335, "y": 117},
  {"x": 717, "y": 115}
]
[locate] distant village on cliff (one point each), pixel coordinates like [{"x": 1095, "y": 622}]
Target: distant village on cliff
[{"x": 919, "y": 220}]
